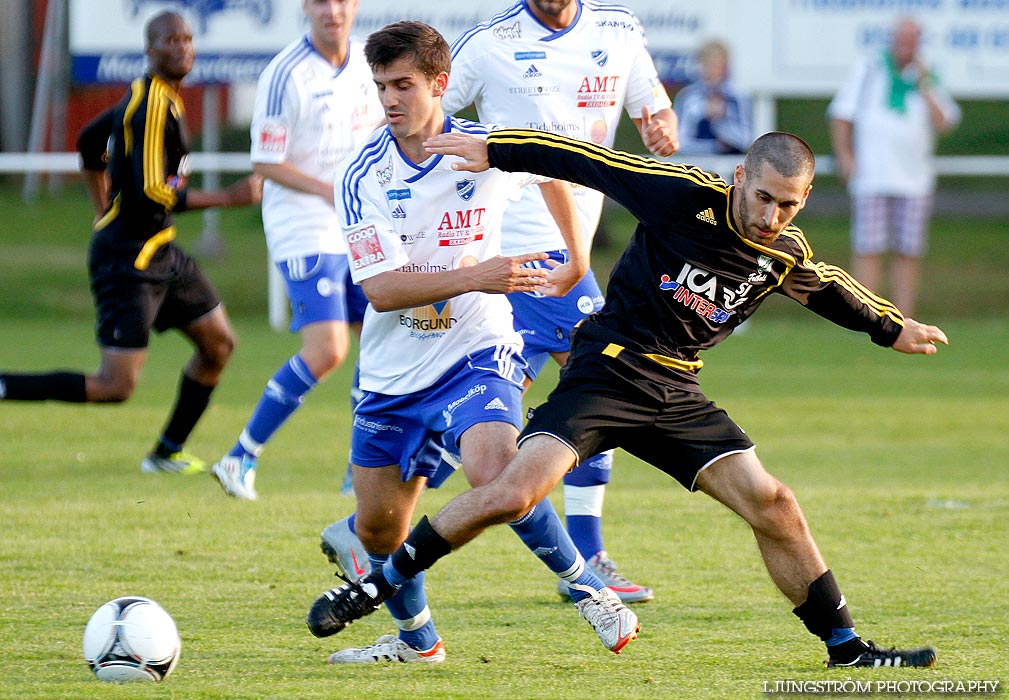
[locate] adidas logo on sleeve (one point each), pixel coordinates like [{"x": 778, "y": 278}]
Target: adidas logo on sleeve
[{"x": 707, "y": 216}]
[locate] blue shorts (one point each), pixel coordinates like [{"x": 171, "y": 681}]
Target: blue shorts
[
  {"x": 318, "y": 287},
  {"x": 412, "y": 430},
  {"x": 357, "y": 302},
  {"x": 545, "y": 323}
]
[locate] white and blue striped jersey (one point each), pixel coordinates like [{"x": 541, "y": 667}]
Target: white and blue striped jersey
[
  {"x": 311, "y": 115},
  {"x": 576, "y": 81},
  {"x": 400, "y": 215}
]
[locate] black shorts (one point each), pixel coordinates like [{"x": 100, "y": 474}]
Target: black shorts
[
  {"x": 603, "y": 402},
  {"x": 172, "y": 292}
]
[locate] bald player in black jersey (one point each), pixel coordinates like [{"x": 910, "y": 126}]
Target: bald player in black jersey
[
  {"x": 703, "y": 258},
  {"x": 139, "y": 278}
]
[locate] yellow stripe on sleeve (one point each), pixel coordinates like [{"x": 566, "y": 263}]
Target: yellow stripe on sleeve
[{"x": 155, "y": 186}]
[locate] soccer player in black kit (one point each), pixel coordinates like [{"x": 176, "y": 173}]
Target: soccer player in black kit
[
  {"x": 702, "y": 259},
  {"x": 139, "y": 278}
]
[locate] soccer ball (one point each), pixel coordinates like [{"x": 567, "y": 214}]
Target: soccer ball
[{"x": 131, "y": 639}]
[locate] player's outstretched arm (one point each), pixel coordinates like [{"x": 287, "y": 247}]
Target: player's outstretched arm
[
  {"x": 248, "y": 190},
  {"x": 917, "y": 338},
  {"x": 292, "y": 178},
  {"x": 394, "y": 290},
  {"x": 472, "y": 149},
  {"x": 561, "y": 203}
]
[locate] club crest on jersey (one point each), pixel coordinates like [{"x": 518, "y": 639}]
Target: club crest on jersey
[
  {"x": 508, "y": 33},
  {"x": 384, "y": 175},
  {"x": 600, "y": 56},
  {"x": 764, "y": 264},
  {"x": 465, "y": 188}
]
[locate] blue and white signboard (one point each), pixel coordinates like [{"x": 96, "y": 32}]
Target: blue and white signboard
[
  {"x": 779, "y": 47},
  {"x": 235, "y": 39}
]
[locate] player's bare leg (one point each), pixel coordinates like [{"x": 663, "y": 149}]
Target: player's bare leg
[{"x": 741, "y": 483}]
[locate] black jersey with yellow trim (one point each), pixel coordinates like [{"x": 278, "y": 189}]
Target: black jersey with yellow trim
[
  {"x": 687, "y": 278},
  {"x": 147, "y": 161}
]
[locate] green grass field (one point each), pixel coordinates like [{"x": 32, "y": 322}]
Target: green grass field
[{"x": 899, "y": 462}]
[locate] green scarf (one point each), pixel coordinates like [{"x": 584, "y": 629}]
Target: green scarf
[{"x": 899, "y": 85}]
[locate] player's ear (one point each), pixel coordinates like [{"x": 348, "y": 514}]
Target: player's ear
[
  {"x": 739, "y": 175},
  {"x": 440, "y": 84}
]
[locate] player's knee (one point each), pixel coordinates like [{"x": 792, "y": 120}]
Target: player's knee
[
  {"x": 777, "y": 508},
  {"x": 510, "y": 505},
  {"x": 112, "y": 389},
  {"x": 216, "y": 353},
  {"x": 325, "y": 356},
  {"x": 378, "y": 539},
  {"x": 328, "y": 359}
]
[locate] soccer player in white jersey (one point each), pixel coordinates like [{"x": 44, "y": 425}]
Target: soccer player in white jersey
[
  {"x": 569, "y": 67},
  {"x": 440, "y": 358},
  {"x": 315, "y": 102}
]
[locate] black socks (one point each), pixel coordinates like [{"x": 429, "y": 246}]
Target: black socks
[
  {"x": 422, "y": 548},
  {"x": 55, "y": 386},
  {"x": 825, "y": 608}
]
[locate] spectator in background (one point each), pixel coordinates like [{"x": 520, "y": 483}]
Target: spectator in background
[
  {"x": 884, "y": 121},
  {"x": 714, "y": 118}
]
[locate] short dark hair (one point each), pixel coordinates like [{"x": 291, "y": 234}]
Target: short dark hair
[
  {"x": 786, "y": 153},
  {"x": 416, "y": 40}
]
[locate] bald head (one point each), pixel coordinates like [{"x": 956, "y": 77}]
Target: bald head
[
  {"x": 905, "y": 41},
  {"x": 161, "y": 24}
]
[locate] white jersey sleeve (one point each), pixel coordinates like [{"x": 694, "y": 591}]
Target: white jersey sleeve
[{"x": 644, "y": 89}]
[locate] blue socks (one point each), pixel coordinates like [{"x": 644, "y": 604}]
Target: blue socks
[
  {"x": 840, "y": 635},
  {"x": 283, "y": 395},
  {"x": 542, "y": 532},
  {"x": 587, "y": 533},
  {"x": 584, "y": 489},
  {"x": 409, "y": 609}
]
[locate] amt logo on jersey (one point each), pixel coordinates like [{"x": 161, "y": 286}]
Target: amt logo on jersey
[
  {"x": 598, "y": 91},
  {"x": 461, "y": 227}
]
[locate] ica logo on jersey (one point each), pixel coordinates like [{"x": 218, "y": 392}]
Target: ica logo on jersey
[{"x": 691, "y": 287}]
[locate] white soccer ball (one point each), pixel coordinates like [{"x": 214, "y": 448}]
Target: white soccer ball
[{"x": 131, "y": 639}]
